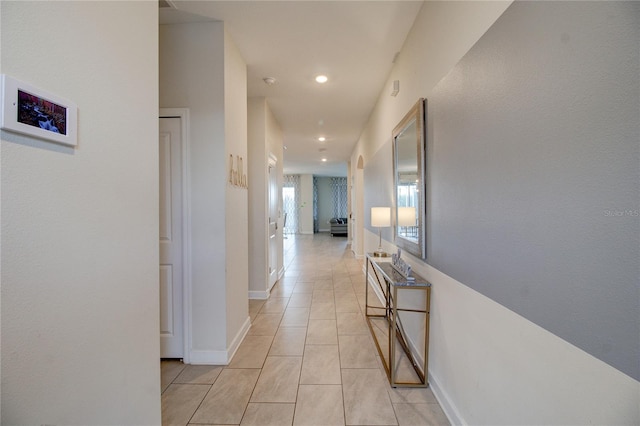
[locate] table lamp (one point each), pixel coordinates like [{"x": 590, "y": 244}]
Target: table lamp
[{"x": 380, "y": 218}]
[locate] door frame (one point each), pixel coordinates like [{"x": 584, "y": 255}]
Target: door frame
[
  {"x": 272, "y": 163},
  {"x": 183, "y": 115},
  {"x": 357, "y": 228}
]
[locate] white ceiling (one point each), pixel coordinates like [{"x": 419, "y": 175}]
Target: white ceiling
[{"x": 352, "y": 42}]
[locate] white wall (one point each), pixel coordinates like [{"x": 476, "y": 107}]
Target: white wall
[
  {"x": 80, "y": 341},
  {"x": 356, "y": 222},
  {"x": 236, "y": 202},
  {"x": 487, "y": 364},
  {"x": 524, "y": 374},
  {"x": 306, "y": 199},
  {"x": 258, "y": 198},
  {"x": 275, "y": 146},
  {"x": 201, "y": 89},
  {"x": 265, "y": 139},
  {"x": 200, "y": 69},
  {"x": 442, "y": 33}
]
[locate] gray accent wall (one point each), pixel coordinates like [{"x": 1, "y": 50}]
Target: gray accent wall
[{"x": 534, "y": 141}]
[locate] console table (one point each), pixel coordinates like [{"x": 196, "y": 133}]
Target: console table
[{"x": 389, "y": 282}]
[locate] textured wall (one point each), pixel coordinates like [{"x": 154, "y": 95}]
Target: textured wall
[
  {"x": 192, "y": 75},
  {"x": 200, "y": 68},
  {"x": 236, "y": 199},
  {"x": 488, "y": 365},
  {"x": 534, "y": 163},
  {"x": 80, "y": 226},
  {"x": 378, "y": 177}
]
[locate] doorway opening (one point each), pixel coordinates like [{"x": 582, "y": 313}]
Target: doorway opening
[{"x": 290, "y": 210}]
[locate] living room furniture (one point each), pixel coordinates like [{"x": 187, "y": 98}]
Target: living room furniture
[{"x": 339, "y": 226}]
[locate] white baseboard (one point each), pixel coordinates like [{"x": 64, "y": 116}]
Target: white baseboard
[
  {"x": 242, "y": 333},
  {"x": 450, "y": 410},
  {"x": 221, "y": 357}
]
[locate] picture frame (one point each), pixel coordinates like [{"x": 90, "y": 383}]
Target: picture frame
[{"x": 31, "y": 111}]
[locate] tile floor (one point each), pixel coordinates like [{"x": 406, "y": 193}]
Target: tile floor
[{"x": 308, "y": 358}]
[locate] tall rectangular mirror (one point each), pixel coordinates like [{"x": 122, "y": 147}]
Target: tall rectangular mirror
[{"x": 409, "y": 161}]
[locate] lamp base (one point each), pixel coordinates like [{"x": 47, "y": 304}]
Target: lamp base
[{"x": 380, "y": 253}]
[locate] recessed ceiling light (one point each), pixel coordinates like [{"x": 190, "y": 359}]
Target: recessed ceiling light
[
  {"x": 322, "y": 79},
  {"x": 269, "y": 81},
  {"x": 322, "y": 139},
  {"x": 324, "y": 160}
]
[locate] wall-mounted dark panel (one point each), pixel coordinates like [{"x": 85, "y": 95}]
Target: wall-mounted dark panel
[{"x": 534, "y": 142}]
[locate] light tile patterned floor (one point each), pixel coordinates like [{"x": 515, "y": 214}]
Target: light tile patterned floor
[{"x": 308, "y": 359}]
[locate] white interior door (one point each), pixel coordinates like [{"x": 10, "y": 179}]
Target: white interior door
[
  {"x": 171, "y": 285},
  {"x": 273, "y": 223}
]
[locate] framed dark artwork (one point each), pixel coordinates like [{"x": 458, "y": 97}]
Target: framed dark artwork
[{"x": 34, "y": 112}]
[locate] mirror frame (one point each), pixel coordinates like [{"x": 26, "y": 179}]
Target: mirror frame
[{"x": 417, "y": 113}]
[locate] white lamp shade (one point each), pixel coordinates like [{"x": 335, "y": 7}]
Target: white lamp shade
[
  {"x": 406, "y": 216},
  {"x": 380, "y": 217}
]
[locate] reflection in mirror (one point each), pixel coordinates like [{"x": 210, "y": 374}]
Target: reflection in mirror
[{"x": 409, "y": 172}]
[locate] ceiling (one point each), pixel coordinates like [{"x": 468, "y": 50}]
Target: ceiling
[{"x": 353, "y": 43}]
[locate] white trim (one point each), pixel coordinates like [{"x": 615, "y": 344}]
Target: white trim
[
  {"x": 183, "y": 114},
  {"x": 449, "y": 408},
  {"x": 221, "y": 357},
  {"x": 235, "y": 344},
  {"x": 272, "y": 163}
]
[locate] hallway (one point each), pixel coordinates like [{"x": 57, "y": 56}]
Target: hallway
[{"x": 308, "y": 358}]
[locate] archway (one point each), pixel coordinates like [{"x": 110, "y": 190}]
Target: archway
[{"x": 358, "y": 204}]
